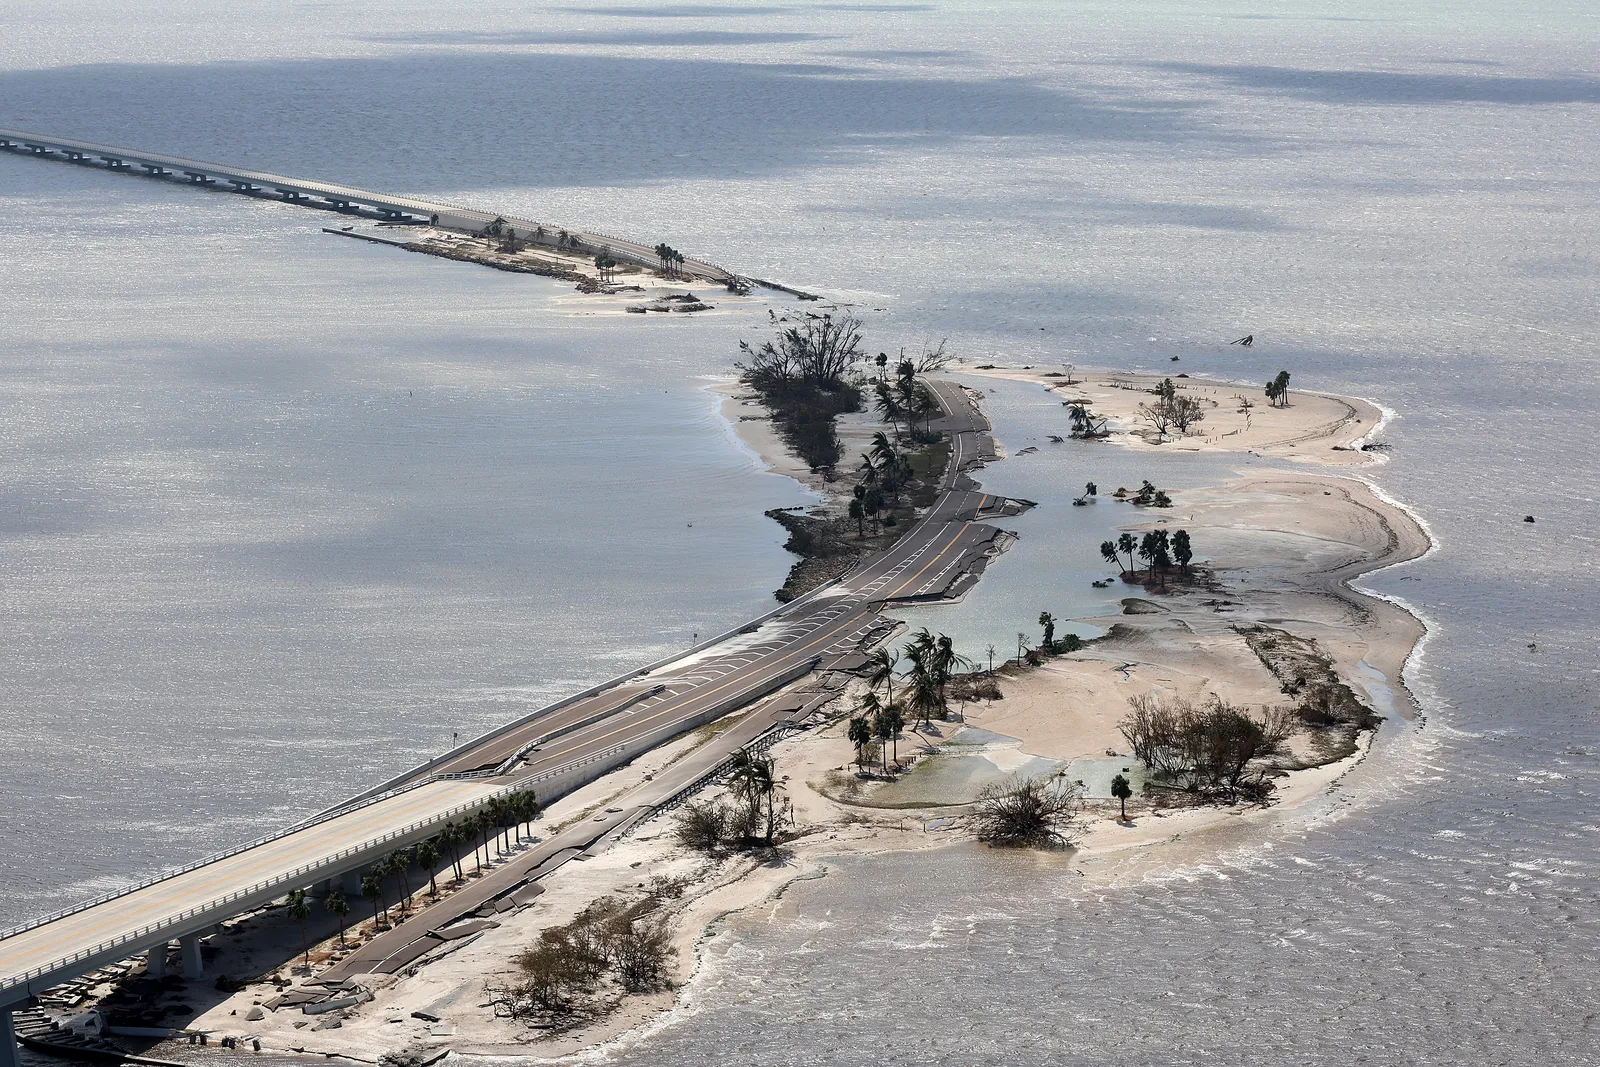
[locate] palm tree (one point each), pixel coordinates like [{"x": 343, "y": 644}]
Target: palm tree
[
  {"x": 897, "y": 722},
  {"x": 380, "y": 871},
  {"x": 428, "y": 859},
  {"x": 1108, "y": 550},
  {"x": 338, "y": 907},
  {"x": 480, "y": 826},
  {"x": 299, "y": 910},
  {"x": 1048, "y": 621},
  {"x": 1128, "y": 545},
  {"x": 991, "y": 651},
  {"x": 883, "y": 732},
  {"x": 1182, "y": 550},
  {"x": 753, "y": 780},
  {"x": 860, "y": 735},
  {"x": 372, "y": 889},
  {"x": 858, "y": 512},
  {"x": 451, "y": 835},
  {"x": 923, "y": 690},
  {"x": 881, "y": 665},
  {"x": 889, "y": 408},
  {"x": 1122, "y": 791},
  {"x": 1022, "y": 643},
  {"x": 400, "y": 864},
  {"x": 530, "y": 809},
  {"x": 943, "y": 664}
]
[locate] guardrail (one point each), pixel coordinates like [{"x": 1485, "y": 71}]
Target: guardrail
[
  {"x": 284, "y": 881},
  {"x": 368, "y": 799}
]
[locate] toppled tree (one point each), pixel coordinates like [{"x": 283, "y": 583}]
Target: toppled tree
[
  {"x": 1086, "y": 423},
  {"x": 801, "y": 375},
  {"x": 1025, "y": 812}
]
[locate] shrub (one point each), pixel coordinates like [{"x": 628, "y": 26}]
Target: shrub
[
  {"x": 1029, "y": 813},
  {"x": 703, "y": 827},
  {"x": 639, "y": 954}
]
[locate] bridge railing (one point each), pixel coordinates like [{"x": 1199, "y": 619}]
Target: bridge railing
[{"x": 283, "y": 881}]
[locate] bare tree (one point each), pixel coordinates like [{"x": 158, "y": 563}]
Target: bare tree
[
  {"x": 931, "y": 358},
  {"x": 1029, "y": 813},
  {"x": 817, "y": 352}
]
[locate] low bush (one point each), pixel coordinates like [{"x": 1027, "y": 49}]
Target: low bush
[{"x": 1029, "y": 813}]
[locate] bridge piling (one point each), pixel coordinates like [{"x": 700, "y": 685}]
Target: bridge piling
[
  {"x": 155, "y": 961},
  {"x": 10, "y": 1055},
  {"x": 193, "y": 966}
]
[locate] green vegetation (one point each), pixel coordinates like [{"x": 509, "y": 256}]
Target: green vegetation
[
  {"x": 372, "y": 891},
  {"x": 1278, "y": 390},
  {"x": 428, "y": 860},
  {"x": 299, "y": 910},
  {"x": 1029, "y": 813},
  {"x": 339, "y": 908},
  {"x": 1159, "y": 549},
  {"x": 1122, "y": 789},
  {"x": 671, "y": 259},
  {"x": 1085, "y": 423},
  {"x": 751, "y": 820},
  {"x": 1171, "y": 410},
  {"x": 1214, "y": 751}
]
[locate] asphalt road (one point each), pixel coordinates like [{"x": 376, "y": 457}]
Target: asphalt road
[{"x": 826, "y": 627}]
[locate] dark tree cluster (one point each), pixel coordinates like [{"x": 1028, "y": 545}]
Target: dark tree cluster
[
  {"x": 671, "y": 259},
  {"x": 610, "y": 942},
  {"x": 751, "y": 818},
  {"x": 1215, "y": 750},
  {"x": 1278, "y": 390},
  {"x": 1159, "y": 549},
  {"x": 801, "y": 375},
  {"x": 1171, "y": 410},
  {"x": 1024, "y": 812}
]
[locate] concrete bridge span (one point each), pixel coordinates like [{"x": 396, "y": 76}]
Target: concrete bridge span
[{"x": 333, "y": 196}]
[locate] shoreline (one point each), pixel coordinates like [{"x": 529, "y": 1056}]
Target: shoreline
[{"x": 719, "y": 890}]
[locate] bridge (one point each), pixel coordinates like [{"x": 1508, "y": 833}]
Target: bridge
[
  {"x": 551, "y": 751},
  {"x": 334, "y": 197}
]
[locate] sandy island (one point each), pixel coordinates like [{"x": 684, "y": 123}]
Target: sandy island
[{"x": 1279, "y": 550}]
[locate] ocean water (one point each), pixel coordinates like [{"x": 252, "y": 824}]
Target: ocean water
[{"x": 281, "y": 511}]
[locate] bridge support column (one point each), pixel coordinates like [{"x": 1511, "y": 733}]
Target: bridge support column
[
  {"x": 192, "y": 967},
  {"x": 9, "y": 1054},
  {"x": 350, "y": 885},
  {"x": 155, "y": 961}
]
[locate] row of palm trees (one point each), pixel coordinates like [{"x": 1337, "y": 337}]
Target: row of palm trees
[
  {"x": 932, "y": 662},
  {"x": 906, "y": 402},
  {"x": 500, "y": 821},
  {"x": 671, "y": 259},
  {"x": 885, "y": 469}
]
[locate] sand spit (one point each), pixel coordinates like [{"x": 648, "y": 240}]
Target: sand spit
[{"x": 1279, "y": 549}]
